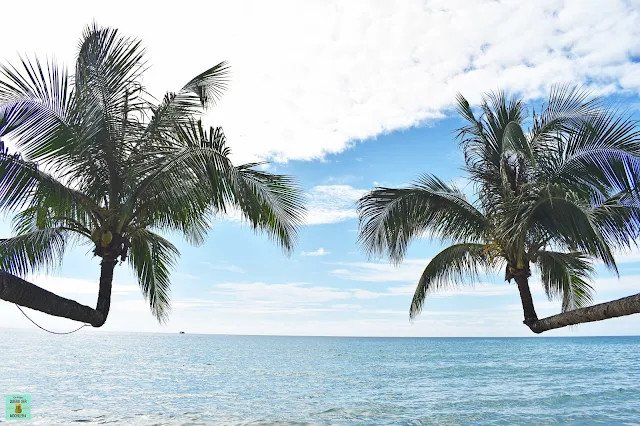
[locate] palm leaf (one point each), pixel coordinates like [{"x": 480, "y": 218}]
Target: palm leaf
[
  {"x": 200, "y": 93},
  {"x": 22, "y": 183},
  {"x": 566, "y": 110},
  {"x": 391, "y": 218},
  {"x": 200, "y": 159},
  {"x": 37, "y": 109},
  {"x": 514, "y": 141},
  {"x": 454, "y": 266},
  {"x": 209, "y": 85},
  {"x": 151, "y": 259},
  {"x": 565, "y": 276},
  {"x": 33, "y": 251},
  {"x": 603, "y": 154}
]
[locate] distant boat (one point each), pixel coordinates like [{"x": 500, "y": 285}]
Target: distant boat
[{"x": 182, "y": 332}]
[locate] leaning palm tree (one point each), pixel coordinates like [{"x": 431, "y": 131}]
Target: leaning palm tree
[
  {"x": 556, "y": 198},
  {"x": 101, "y": 162}
]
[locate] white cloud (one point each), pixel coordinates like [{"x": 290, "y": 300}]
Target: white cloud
[
  {"x": 224, "y": 266},
  {"x": 319, "y": 252},
  {"x": 344, "y": 71},
  {"x": 325, "y": 204},
  {"x": 298, "y": 293},
  {"x": 623, "y": 286},
  {"x": 187, "y": 276},
  {"x": 477, "y": 289},
  {"x": 332, "y": 203},
  {"x": 341, "y": 180},
  {"x": 631, "y": 256},
  {"x": 409, "y": 270},
  {"x": 69, "y": 287}
]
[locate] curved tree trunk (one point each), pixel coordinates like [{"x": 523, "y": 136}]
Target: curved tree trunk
[
  {"x": 104, "y": 293},
  {"x": 530, "y": 316},
  {"x": 16, "y": 290},
  {"x": 616, "y": 308}
]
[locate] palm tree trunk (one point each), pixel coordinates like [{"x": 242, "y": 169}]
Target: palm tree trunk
[
  {"x": 104, "y": 293},
  {"x": 16, "y": 290},
  {"x": 530, "y": 316},
  {"x": 616, "y": 308}
]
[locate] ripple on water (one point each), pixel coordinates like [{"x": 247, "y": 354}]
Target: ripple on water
[{"x": 144, "y": 379}]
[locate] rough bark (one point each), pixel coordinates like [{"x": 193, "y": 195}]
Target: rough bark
[
  {"x": 16, "y": 290},
  {"x": 616, "y": 308}
]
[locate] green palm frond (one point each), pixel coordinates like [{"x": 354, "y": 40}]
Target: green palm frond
[
  {"x": 36, "y": 108},
  {"x": 210, "y": 182},
  {"x": 209, "y": 85},
  {"x": 391, "y": 218},
  {"x": 152, "y": 257},
  {"x": 33, "y": 251},
  {"x": 570, "y": 183},
  {"x": 515, "y": 141},
  {"x": 566, "y": 219},
  {"x": 271, "y": 203},
  {"x": 454, "y": 266},
  {"x": 498, "y": 113},
  {"x": 202, "y": 92},
  {"x": 566, "y": 110},
  {"x": 37, "y": 218},
  {"x": 186, "y": 213},
  {"x": 572, "y": 225},
  {"x": 618, "y": 220},
  {"x": 108, "y": 66},
  {"x": 602, "y": 154},
  {"x": 102, "y": 161},
  {"x": 23, "y": 183},
  {"x": 566, "y": 276}
]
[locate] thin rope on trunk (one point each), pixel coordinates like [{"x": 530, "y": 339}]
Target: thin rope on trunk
[{"x": 49, "y": 331}]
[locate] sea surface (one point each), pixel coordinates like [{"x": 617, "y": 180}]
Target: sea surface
[{"x": 158, "y": 379}]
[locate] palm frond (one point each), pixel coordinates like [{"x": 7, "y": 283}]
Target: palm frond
[
  {"x": 108, "y": 65},
  {"x": 33, "y": 251},
  {"x": 566, "y": 276},
  {"x": 152, "y": 257},
  {"x": 618, "y": 220},
  {"x": 569, "y": 223},
  {"x": 209, "y": 85},
  {"x": 23, "y": 184},
  {"x": 454, "y": 266},
  {"x": 108, "y": 88},
  {"x": 603, "y": 154},
  {"x": 37, "y": 109},
  {"x": 567, "y": 108},
  {"x": 499, "y": 111},
  {"x": 515, "y": 141},
  {"x": 391, "y": 218},
  {"x": 271, "y": 203},
  {"x": 200, "y": 93},
  {"x": 164, "y": 207},
  {"x": 36, "y": 217}
]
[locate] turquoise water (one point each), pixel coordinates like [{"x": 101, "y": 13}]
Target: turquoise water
[{"x": 151, "y": 379}]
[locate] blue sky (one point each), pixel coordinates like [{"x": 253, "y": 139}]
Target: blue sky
[{"x": 346, "y": 97}]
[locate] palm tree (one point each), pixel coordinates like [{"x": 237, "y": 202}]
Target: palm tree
[
  {"x": 559, "y": 197},
  {"x": 102, "y": 163}
]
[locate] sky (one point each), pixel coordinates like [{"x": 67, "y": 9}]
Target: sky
[{"x": 345, "y": 96}]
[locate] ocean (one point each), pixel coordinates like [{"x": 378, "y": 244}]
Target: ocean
[{"x": 163, "y": 379}]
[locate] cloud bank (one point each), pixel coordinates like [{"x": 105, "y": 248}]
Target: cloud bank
[{"x": 310, "y": 78}]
